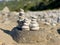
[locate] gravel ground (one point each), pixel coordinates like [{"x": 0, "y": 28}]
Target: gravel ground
[{"x": 47, "y": 35}]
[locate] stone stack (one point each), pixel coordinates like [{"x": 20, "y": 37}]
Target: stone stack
[
  {"x": 33, "y": 24},
  {"x": 26, "y": 25},
  {"x": 21, "y": 18},
  {"x": 21, "y": 15}
]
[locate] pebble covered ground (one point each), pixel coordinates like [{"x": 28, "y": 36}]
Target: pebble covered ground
[{"x": 48, "y": 34}]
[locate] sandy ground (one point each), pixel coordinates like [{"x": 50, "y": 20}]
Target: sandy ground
[{"x": 6, "y": 39}]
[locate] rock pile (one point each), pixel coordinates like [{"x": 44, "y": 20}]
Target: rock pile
[
  {"x": 34, "y": 24},
  {"x": 21, "y": 15},
  {"x": 27, "y": 24},
  {"x": 50, "y": 17},
  {"x": 21, "y": 18}
]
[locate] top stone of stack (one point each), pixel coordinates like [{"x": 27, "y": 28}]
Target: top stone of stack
[
  {"x": 21, "y": 10},
  {"x": 21, "y": 15},
  {"x": 5, "y": 10}
]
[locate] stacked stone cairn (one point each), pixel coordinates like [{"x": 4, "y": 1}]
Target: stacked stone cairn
[
  {"x": 21, "y": 15},
  {"x": 21, "y": 18},
  {"x": 31, "y": 24},
  {"x": 26, "y": 25},
  {"x": 34, "y": 24}
]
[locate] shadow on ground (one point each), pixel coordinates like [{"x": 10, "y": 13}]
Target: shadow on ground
[{"x": 13, "y": 33}]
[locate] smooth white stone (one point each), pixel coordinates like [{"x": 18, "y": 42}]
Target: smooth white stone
[
  {"x": 36, "y": 28},
  {"x": 33, "y": 19},
  {"x": 25, "y": 27},
  {"x": 33, "y": 22},
  {"x": 43, "y": 20},
  {"x": 34, "y": 25},
  {"x": 53, "y": 24},
  {"x": 26, "y": 24}
]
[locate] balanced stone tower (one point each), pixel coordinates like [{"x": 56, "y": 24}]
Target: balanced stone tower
[
  {"x": 26, "y": 25},
  {"x": 34, "y": 24},
  {"x": 23, "y": 21},
  {"x": 21, "y": 18},
  {"x": 21, "y": 15}
]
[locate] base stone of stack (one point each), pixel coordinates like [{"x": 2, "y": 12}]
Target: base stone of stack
[{"x": 25, "y": 28}]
